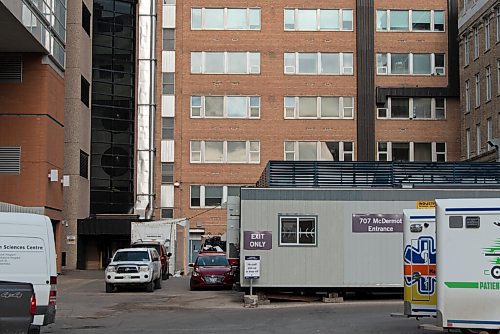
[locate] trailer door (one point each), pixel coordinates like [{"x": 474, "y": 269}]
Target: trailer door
[{"x": 420, "y": 269}]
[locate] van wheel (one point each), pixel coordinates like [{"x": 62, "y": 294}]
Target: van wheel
[
  {"x": 34, "y": 329},
  {"x": 158, "y": 282},
  {"x": 150, "y": 286},
  {"x": 109, "y": 287}
]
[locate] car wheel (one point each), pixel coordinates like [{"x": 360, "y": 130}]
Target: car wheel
[
  {"x": 150, "y": 286},
  {"x": 158, "y": 282},
  {"x": 109, "y": 287}
]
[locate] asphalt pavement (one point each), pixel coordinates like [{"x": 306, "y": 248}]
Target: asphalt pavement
[{"x": 84, "y": 307}]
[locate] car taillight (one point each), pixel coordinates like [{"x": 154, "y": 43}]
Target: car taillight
[
  {"x": 53, "y": 290},
  {"x": 33, "y": 305}
]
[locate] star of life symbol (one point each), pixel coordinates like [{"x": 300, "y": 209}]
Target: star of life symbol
[{"x": 422, "y": 256}]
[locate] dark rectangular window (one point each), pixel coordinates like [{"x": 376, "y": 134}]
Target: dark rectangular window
[
  {"x": 85, "y": 91},
  {"x": 86, "y": 19},
  {"x": 298, "y": 231},
  {"x": 167, "y": 172},
  {"x": 195, "y": 196},
  {"x": 84, "y": 164},
  {"x": 167, "y": 128},
  {"x": 168, "y": 83},
  {"x": 168, "y": 39},
  {"x": 167, "y": 213}
]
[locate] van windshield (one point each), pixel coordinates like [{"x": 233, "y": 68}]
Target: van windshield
[
  {"x": 21, "y": 256},
  {"x": 131, "y": 256}
]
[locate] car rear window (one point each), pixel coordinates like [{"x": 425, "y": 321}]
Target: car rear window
[
  {"x": 131, "y": 256},
  {"x": 213, "y": 261}
]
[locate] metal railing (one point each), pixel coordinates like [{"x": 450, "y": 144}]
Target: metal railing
[{"x": 380, "y": 174}]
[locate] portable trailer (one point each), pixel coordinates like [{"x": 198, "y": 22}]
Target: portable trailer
[
  {"x": 419, "y": 258},
  {"x": 330, "y": 239},
  {"x": 468, "y": 262}
]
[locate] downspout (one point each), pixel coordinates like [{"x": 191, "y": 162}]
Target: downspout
[{"x": 145, "y": 149}]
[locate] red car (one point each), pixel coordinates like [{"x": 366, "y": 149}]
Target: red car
[
  {"x": 211, "y": 270},
  {"x": 160, "y": 248}
]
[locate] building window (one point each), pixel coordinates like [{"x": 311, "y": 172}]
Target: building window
[
  {"x": 225, "y": 106},
  {"x": 468, "y": 146},
  {"x": 498, "y": 24},
  {"x": 487, "y": 34},
  {"x": 410, "y": 20},
  {"x": 86, "y": 16},
  {"x": 319, "y": 63},
  {"x": 478, "y": 139},
  {"x": 297, "y": 231},
  {"x": 489, "y": 133},
  {"x": 466, "y": 49},
  {"x": 498, "y": 76},
  {"x": 167, "y": 213},
  {"x": 168, "y": 39},
  {"x": 316, "y": 150},
  {"x": 411, "y": 151},
  {"x": 84, "y": 164},
  {"x": 414, "y": 108},
  {"x": 225, "y": 18},
  {"x": 85, "y": 91},
  {"x": 467, "y": 96},
  {"x": 478, "y": 90},
  {"x": 167, "y": 128},
  {"x": 410, "y": 64},
  {"x": 247, "y": 152},
  {"x": 476, "y": 42},
  {"x": 297, "y": 107},
  {"x": 225, "y": 62},
  {"x": 488, "y": 83},
  {"x": 318, "y": 19},
  {"x": 168, "y": 84},
  {"x": 167, "y": 172},
  {"x": 203, "y": 196}
]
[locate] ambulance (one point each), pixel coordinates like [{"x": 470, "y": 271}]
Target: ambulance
[
  {"x": 468, "y": 264},
  {"x": 419, "y": 258}
]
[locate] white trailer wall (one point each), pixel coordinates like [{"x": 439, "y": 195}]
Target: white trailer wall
[{"x": 340, "y": 257}]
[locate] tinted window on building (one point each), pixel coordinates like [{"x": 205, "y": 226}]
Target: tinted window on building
[
  {"x": 85, "y": 91},
  {"x": 86, "y": 19},
  {"x": 84, "y": 164},
  {"x": 113, "y": 100}
]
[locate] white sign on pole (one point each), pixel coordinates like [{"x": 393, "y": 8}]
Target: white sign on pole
[{"x": 252, "y": 267}]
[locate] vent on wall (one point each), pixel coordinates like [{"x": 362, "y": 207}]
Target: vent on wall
[
  {"x": 10, "y": 160},
  {"x": 11, "y": 69}
]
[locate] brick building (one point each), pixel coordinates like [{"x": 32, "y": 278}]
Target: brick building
[
  {"x": 32, "y": 86},
  {"x": 479, "y": 36},
  {"x": 279, "y": 80}
]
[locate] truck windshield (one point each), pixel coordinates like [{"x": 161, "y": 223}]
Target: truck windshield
[{"x": 132, "y": 256}]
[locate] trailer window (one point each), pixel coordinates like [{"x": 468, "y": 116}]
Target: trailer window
[
  {"x": 472, "y": 222},
  {"x": 298, "y": 231},
  {"x": 456, "y": 222}
]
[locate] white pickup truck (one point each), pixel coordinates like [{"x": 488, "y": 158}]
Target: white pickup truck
[{"x": 134, "y": 266}]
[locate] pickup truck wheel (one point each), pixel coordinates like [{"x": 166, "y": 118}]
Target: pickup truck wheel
[
  {"x": 158, "y": 282},
  {"x": 150, "y": 286},
  {"x": 109, "y": 287}
]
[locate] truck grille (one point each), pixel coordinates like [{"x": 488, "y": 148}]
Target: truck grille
[{"x": 127, "y": 270}]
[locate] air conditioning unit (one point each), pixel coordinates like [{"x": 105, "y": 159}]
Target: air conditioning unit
[
  {"x": 255, "y": 69},
  {"x": 382, "y": 70},
  {"x": 348, "y": 70},
  {"x": 439, "y": 71},
  {"x": 289, "y": 69},
  {"x": 382, "y": 112}
]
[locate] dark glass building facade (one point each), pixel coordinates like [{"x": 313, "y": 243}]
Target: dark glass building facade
[{"x": 113, "y": 104}]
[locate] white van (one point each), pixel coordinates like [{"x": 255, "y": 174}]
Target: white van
[{"x": 28, "y": 254}]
